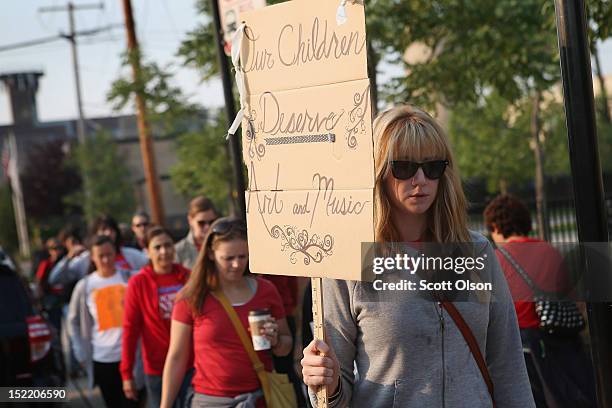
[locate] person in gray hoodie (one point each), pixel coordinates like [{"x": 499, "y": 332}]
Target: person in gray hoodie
[
  {"x": 77, "y": 263},
  {"x": 389, "y": 348},
  {"x": 201, "y": 215},
  {"x": 95, "y": 324}
]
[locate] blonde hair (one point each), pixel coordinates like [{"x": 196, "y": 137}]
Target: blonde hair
[{"x": 408, "y": 133}]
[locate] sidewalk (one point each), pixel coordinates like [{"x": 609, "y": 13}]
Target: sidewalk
[{"x": 88, "y": 398}]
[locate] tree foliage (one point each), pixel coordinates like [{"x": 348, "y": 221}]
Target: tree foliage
[
  {"x": 599, "y": 15},
  {"x": 492, "y": 140},
  {"x": 107, "y": 187},
  {"x": 47, "y": 179},
  {"x": 167, "y": 107},
  {"x": 487, "y": 62},
  {"x": 203, "y": 167}
]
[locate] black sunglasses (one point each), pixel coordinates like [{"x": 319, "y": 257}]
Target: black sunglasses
[
  {"x": 405, "y": 169},
  {"x": 202, "y": 223},
  {"x": 225, "y": 225}
]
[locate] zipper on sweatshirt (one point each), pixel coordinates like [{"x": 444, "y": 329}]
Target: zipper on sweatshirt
[{"x": 440, "y": 312}]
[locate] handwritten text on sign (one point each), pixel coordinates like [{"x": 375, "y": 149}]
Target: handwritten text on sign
[
  {"x": 307, "y": 139},
  {"x": 298, "y": 44}
]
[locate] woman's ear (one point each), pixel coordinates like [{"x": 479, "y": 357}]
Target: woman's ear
[{"x": 211, "y": 255}]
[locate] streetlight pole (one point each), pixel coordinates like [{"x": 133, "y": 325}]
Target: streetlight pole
[
  {"x": 591, "y": 217},
  {"x": 230, "y": 110}
]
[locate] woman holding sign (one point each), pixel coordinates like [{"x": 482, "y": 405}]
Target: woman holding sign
[
  {"x": 202, "y": 321},
  {"x": 422, "y": 351}
]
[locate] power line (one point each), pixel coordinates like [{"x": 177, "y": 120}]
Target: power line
[
  {"x": 30, "y": 43},
  {"x": 61, "y": 36}
]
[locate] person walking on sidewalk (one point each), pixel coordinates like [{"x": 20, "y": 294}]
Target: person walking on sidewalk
[
  {"x": 201, "y": 215},
  {"x": 75, "y": 266},
  {"x": 559, "y": 369},
  {"x": 224, "y": 373},
  {"x": 148, "y": 308},
  {"x": 95, "y": 323},
  {"x": 425, "y": 349}
]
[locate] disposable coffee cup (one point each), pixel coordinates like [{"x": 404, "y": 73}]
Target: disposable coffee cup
[{"x": 257, "y": 319}]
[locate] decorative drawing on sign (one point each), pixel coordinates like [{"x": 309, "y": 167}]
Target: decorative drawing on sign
[
  {"x": 255, "y": 149},
  {"x": 357, "y": 117},
  {"x": 312, "y": 248}
]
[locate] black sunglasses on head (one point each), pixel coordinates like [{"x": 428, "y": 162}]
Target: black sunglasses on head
[
  {"x": 405, "y": 169},
  {"x": 225, "y": 225}
]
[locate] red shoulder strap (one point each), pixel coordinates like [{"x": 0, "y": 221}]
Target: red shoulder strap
[{"x": 471, "y": 342}]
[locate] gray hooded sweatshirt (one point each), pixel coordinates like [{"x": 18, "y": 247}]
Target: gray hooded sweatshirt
[
  {"x": 80, "y": 329},
  {"x": 406, "y": 351}
]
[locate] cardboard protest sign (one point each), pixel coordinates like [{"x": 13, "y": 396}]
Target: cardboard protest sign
[{"x": 307, "y": 139}]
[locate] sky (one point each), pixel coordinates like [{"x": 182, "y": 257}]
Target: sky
[{"x": 160, "y": 25}]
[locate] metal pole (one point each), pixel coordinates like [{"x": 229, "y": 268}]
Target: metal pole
[
  {"x": 77, "y": 76},
  {"x": 586, "y": 173},
  {"x": 144, "y": 131},
  {"x": 18, "y": 206},
  {"x": 230, "y": 109}
]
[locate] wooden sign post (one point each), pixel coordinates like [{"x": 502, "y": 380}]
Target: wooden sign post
[
  {"x": 319, "y": 327},
  {"x": 307, "y": 142}
]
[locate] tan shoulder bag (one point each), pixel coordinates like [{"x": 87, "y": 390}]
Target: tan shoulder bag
[{"x": 277, "y": 389}]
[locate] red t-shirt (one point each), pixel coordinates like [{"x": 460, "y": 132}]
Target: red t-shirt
[
  {"x": 544, "y": 265},
  {"x": 287, "y": 287},
  {"x": 222, "y": 365}
]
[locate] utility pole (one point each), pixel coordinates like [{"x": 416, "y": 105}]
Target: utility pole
[
  {"x": 71, "y": 36},
  {"x": 230, "y": 110},
  {"x": 18, "y": 206},
  {"x": 144, "y": 131},
  {"x": 591, "y": 217}
]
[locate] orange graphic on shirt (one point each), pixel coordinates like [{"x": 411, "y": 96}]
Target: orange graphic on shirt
[{"x": 109, "y": 305}]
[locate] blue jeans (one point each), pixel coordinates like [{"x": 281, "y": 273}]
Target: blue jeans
[{"x": 154, "y": 391}]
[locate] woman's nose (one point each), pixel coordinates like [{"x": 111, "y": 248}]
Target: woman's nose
[{"x": 419, "y": 178}]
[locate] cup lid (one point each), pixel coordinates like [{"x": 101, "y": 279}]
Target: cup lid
[{"x": 259, "y": 312}]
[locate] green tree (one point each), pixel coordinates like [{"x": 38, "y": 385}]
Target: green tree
[
  {"x": 108, "y": 187},
  {"x": 202, "y": 167},
  {"x": 168, "y": 109},
  {"x": 492, "y": 140}
]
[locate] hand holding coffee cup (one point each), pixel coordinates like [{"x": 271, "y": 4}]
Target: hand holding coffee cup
[
  {"x": 263, "y": 328},
  {"x": 270, "y": 331}
]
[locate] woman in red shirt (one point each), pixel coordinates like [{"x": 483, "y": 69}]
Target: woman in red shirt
[
  {"x": 224, "y": 375},
  {"x": 148, "y": 307},
  {"x": 558, "y": 368}
]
